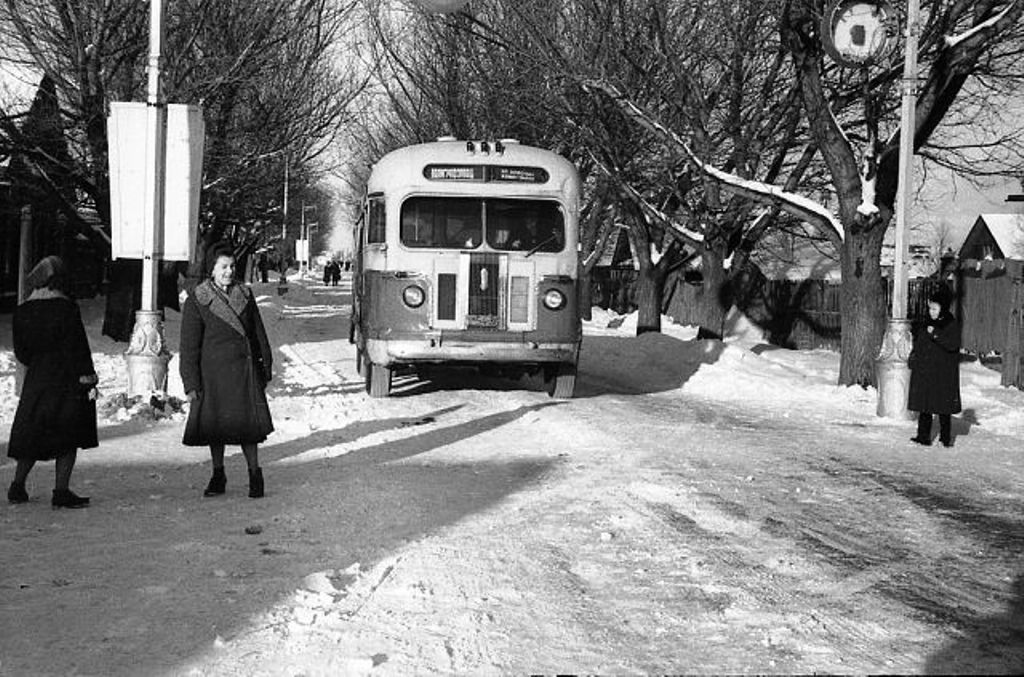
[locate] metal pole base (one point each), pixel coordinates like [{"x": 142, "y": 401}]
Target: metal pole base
[
  {"x": 892, "y": 371},
  {"x": 147, "y": 355}
]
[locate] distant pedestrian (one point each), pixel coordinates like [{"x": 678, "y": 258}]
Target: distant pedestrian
[
  {"x": 225, "y": 367},
  {"x": 56, "y": 413},
  {"x": 335, "y": 273},
  {"x": 327, "y": 273},
  {"x": 935, "y": 370},
  {"x": 263, "y": 266}
]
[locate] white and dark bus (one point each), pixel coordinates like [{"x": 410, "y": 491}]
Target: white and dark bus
[{"x": 466, "y": 254}]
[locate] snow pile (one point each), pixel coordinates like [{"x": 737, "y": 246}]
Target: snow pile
[{"x": 745, "y": 369}]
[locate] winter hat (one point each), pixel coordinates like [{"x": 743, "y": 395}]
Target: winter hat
[
  {"x": 215, "y": 252},
  {"x": 44, "y": 271}
]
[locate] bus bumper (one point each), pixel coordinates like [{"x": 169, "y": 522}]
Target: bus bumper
[{"x": 442, "y": 349}]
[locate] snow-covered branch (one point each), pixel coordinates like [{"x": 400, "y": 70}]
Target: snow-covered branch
[
  {"x": 652, "y": 212},
  {"x": 868, "y": 177},
  {"x": 991, "y": 22},
  {"x": 803, "y": 208}
]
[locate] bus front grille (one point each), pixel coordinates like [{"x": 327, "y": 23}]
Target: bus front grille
[{"x": 485, "y": 297}]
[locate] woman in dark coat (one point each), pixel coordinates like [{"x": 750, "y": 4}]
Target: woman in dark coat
[
  {"x": 225, "y": 366},
  {"x": 56, "y": 413},
  {"x": 935, "y": 370}
]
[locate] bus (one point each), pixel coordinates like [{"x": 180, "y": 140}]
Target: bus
[{"x": 466, "y": 255}]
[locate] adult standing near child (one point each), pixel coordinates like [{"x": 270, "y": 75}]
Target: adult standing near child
[
  {"x": 225, "y": 367},
  {"x": 935, "y": 370},
  {"x": 56, "y": 413}
]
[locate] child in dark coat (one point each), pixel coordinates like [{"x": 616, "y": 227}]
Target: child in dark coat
[{"x": 935, "y": 370}]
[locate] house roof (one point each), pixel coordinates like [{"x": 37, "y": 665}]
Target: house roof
[
  {"x": 618, "y": 250},
  {"x": 1006, "y": 229}
]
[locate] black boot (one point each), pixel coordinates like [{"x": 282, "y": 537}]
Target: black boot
[
  {"x": 924, "y": 430},
  {"x": 218, "y": 483},
  {"x": 946, "y": 430},
  {"x": 17, "y": 493},
  {"x": 256, "y": 483},
  {"x": 65, "y": 498}
]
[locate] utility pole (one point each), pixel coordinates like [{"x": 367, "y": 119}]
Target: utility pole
[
  {"x": 893, "y": 370},
  {"x": 284, "y": 208},
  {"x": 147, "y": 355}
]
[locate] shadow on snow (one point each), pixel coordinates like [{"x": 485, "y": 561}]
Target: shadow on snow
[{"x": 151, "y": 574}]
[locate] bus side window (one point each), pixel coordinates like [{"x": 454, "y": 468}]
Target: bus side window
[{"x": 375, "y": 231}]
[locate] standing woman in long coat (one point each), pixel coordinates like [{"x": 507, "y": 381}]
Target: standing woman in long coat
[
  {"x": 56, "y": 413},
  {"x": 935, "y": 370},
  {"x": 225, "y": 367}
]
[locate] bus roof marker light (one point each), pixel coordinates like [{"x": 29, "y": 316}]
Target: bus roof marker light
[
  {"x": 498, "y": 147},
  {"x": 485, "y": 148},
  {"x": 470, "y": 148}
]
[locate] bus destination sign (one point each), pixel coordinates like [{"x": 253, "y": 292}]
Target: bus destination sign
[{"x": 485, "y": 174}]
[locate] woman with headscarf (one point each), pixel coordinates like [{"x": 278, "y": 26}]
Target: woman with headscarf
[
  {"x": 225, "y": 367},
  {"x": 935, "y": 370},
  {"x": 56, "y": 413}
]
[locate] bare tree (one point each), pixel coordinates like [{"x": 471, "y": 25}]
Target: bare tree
[
  {"x": 960, "y": 40},
  {"x": 267, "y": 73}
]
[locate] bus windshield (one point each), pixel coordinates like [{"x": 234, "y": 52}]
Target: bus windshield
[{"x": 464, "y": 223}]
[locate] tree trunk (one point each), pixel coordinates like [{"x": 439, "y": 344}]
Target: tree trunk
[
  {"x": 863, "y": 307},
  {"x": 714, "y": 299},
  {"x": 648, "y": 298},
  {"x": 585, "y": 294}
]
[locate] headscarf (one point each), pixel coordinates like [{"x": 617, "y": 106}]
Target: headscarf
[{"x": 44, "y": 271}]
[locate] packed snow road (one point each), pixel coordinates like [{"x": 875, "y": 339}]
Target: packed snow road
[{"x": 467, "y": 525}]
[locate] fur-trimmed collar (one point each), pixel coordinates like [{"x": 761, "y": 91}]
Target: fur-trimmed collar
[{"x": 228, "y": 306}]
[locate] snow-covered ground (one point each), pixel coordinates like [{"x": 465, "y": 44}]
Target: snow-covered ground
[{"x": 471, "y": 525}]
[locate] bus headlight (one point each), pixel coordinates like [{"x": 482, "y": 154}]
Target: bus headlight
[
  {"x": 413, "y": 296},
  {"x": 554, "y": 299}
]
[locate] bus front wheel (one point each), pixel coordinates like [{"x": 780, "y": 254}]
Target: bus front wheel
[
  {"x": 378, "y": 379},
  {"x": 560, "y": 380}
]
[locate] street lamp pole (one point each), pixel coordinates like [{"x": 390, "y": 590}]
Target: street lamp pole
[
  {"x": 893, "y": 370},
  {"x": 147, "y": 355},
  {"x": 284, "y": 208},
  {"x": 303, "y": 238}
]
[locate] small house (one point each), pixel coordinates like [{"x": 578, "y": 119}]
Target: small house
[{"x": 995, "y": 237}]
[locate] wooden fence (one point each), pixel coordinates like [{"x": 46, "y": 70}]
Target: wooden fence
[
  {"x": 992, "y": 301},
  {"x": 801, "y": 314},
  {"x": 804, "y": 314}
]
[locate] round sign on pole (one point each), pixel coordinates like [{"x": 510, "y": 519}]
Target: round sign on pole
[
  {"x": 441, "y": 6},
  {"x": 858, "y": 32}
]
